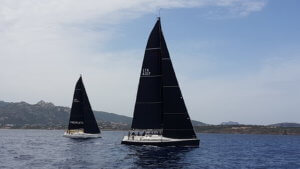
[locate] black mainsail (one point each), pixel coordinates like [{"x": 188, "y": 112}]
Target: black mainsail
[
  {"x": 159, "y": 102},
  {"x": 82, "y": 116},
  {"x": 148, "y": 106}
]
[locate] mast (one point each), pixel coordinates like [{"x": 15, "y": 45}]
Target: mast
[{"x": 161, "y": 81}]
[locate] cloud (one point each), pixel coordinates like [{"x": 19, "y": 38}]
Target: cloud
[
  {"x": 242, "y": 8},
  {"x": 269, "y": 95},
  {"x": 45, "y": 45}
]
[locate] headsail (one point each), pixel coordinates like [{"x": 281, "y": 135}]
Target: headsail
[
  {"x": 82, "y": 116},
  {"x": 176, "y": 120}
]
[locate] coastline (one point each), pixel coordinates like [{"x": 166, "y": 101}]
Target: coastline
[
  {"x": 214, "y": 129},
  {"x": 248, "y": 129}
]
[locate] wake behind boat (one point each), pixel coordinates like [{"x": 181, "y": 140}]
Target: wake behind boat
[
  {"x": 82, "y": 123},
  {"x": 160, "y": 115}
]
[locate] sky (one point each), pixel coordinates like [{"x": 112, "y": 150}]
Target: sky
[{"x": 235, "y": 60}]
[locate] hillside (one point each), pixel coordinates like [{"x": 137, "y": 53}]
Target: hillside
[
  {"x": 229, "y": 123},
  {"x": 286, "y": 125},
  {"x": 47, "y": 115},
  {"x": 248, "y": 129}
]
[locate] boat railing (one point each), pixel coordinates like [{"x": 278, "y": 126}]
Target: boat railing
[{"x": 139, "y": 135}]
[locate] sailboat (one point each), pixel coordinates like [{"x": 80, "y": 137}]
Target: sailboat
[
  {"x": 160, "y": 116},
  {"x": 82, "y": 123}
]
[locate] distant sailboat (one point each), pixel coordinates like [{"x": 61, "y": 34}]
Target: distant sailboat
[
  {"x": 82, "y": 123},
  {"x": 160, "y": 116}
]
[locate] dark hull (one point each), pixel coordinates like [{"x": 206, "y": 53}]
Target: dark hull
[{"x": 183, "y": 143}]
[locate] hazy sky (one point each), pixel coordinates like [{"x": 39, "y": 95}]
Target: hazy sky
[{"x": 235, "y": 60}]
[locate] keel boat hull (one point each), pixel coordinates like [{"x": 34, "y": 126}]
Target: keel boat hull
[
  {"x": 81, "y": 135},
  {"x": 160, "y": 141}
]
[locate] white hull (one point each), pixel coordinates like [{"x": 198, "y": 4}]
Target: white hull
[
  {"x": 81, "y": 135},
  {"x": 159, "y": 140}
]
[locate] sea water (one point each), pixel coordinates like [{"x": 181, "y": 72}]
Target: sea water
[{"x": 46, "y": 149}]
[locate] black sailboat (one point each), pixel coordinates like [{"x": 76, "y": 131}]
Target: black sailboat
[
  {"x": 160, "y": 115},
  {"x": 82, "y": 123}
]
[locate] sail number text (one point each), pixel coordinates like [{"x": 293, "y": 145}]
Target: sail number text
[{"x": 146, "y": 72}]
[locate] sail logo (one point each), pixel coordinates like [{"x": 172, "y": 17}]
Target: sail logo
[
  {"x": 76, "y": 122},
  {"x": 146, "y": 72},
  {"x": 75, "y": 100}
]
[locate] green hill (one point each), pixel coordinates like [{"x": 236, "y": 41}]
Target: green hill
[{"x": 47, "y": 115}]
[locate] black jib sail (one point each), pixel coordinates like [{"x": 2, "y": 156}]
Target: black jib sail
[
  {"x": 159, "y": 102},
  {"x": 82, "y": 116}
]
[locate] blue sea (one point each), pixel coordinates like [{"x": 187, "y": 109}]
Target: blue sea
[{"x": 46, "y": 149}]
